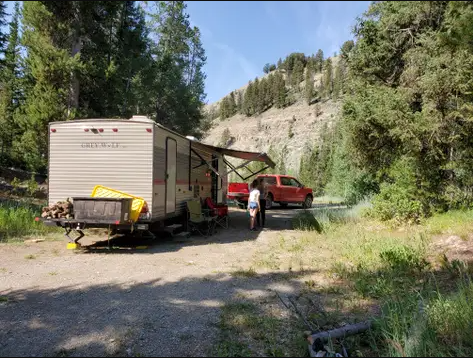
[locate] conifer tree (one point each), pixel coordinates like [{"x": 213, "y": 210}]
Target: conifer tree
[
  {"x": 309, "y": 86},
  {"x": 319, "y": 60}
]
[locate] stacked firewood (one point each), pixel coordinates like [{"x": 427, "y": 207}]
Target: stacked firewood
[{"x": 62, "y": 209}]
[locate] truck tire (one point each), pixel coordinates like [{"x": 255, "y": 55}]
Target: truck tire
[
  {"x": 307, "y": 204},
  {"x": 269, "y": 201}
]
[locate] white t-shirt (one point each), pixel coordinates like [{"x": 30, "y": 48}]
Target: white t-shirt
[{"x": 254, "y": 195}]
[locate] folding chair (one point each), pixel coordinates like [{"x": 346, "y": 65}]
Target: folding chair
[
  {"x": 220, "y": 211},
  {"x": 197, "y": 219}
]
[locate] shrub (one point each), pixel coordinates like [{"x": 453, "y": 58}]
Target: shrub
[
  {"x": 400, "y": 199},
  {"x": 404, "y": 259},
  {"x": 17, "y": 220}
]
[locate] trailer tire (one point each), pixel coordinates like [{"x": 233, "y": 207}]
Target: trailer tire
[{"x": 269, "y": 201}]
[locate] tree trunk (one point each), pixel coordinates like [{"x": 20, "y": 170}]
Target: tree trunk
[{"x": 75, "y": 85}]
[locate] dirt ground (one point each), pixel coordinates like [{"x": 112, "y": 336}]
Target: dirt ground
[{"x": 161, "y": 301}]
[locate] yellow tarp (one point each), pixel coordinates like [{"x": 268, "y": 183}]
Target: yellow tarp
[{"x": 136, "y": 206}]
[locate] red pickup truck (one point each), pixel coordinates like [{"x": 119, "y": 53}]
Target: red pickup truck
[{"x": 282, "y": 189}]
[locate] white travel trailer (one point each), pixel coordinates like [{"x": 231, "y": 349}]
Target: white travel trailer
[{"x": 140, "y": 157}]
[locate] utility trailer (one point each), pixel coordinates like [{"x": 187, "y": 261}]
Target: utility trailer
[{"x": 140, "y": 157}]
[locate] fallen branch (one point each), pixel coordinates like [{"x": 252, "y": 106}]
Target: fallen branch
[
  {"x": 342, "y": 332},
  {"x": 295, "y": 311},
  {"x": 346, "y": 331},
  {"x": 301, "y": 315}
]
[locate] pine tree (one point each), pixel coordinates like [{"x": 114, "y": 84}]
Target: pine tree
[
  {"x": 272, "y": 68},
  {"x": 281, "y": 95},
  {"x": 346, "y": 49},
  {"x": 309, "y": 86},
  {"x": 248, "y": 100},
  {"x": 297, "y": 74},
  {"x": 240, "y": 105},
  {"x": 266, "y": 68},
  {"x": 232, "y": 104},
  {"x": 328, "y": 78},
  {"x": 223, "y": 108},
  {"x": 339, "y": 79},
  {"x": 279, "y": 63},
  {"x": 282, "y": 161},
  {"x": 178, "y": 79},
  {"x": 267, "y": 94},
  {"x": 256, "y": 100},
  {"x": 50, "y": 65},
  {"x": 3, "y": 37},
  {"x": 319, "y": 60},
  {"x": 270, "y": 89},
  {"x": 10, "y": 93}
]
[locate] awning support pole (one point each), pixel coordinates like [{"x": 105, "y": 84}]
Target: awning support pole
[
  {"x": 204, "y": 162},
  {"x": 233, "y": 168},
  {"x": 244, "y": 165},
  {"x": 259, "y": 171}
]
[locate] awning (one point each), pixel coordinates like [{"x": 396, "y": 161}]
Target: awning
[{"x": 247, "y": 156}]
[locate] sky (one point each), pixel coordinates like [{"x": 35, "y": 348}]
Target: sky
[{"x": 240, "y": 37}]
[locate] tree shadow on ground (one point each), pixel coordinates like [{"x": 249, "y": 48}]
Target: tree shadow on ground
[{"x": 153, "y": 318}]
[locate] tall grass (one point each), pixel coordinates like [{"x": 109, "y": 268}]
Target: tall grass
[
  {"x": 17, "y": 221},
  {"x": 457, "y": 222},
  {"x": 425, "y": 310},
  {"x": 435, "y": 326},
  {"x": 325, "y": 218}
]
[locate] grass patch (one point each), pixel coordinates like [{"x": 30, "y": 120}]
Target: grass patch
[
  {"x": 30, "y": 257},
  {"x": 247, "y": 329},
  {"x": 456, "y": 222},
  {"x": 324, "y": 219},
  {"x": 17, "y": 221},
  {"x": 365, "y": 269},
  {"x": 245, "y": 273},
  {"x": 3, "y": 270},
  {"x": 435, "y": 326},
  {"x": 53, "y": 273},
  {"x": 3, "y": 299}
]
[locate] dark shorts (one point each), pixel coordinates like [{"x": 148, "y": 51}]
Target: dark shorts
[{"x": 253, "y": 205}]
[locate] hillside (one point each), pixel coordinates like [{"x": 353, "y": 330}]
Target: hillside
[{"x": 297, "y": 127}]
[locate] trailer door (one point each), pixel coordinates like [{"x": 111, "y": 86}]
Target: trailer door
[{"x": 171, "y": 171}]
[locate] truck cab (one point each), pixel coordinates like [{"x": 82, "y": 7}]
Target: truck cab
[
  {"x": 282, "y": 189},
  {"x": 286, "y": 189}
]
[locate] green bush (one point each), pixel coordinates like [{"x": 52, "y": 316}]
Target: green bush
[
  {"x": 400, "y": 199},
  {"x": 32, "y": 186},
  {"x": 18, "y": 220},
  {"x": 404, "y": 259}
]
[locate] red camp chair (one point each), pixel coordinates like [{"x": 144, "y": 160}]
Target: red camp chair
[{"x": 219, "y": 210}]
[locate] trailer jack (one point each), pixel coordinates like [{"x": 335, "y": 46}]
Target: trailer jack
[{"x": 76, "y": 240}]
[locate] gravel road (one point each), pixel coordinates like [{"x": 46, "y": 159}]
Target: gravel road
[{"x": 161, "y": 301}]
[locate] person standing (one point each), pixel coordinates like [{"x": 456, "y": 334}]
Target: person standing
[
  {"x": 261, "y": 216},
  {"x": 253, "y": 204}
]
